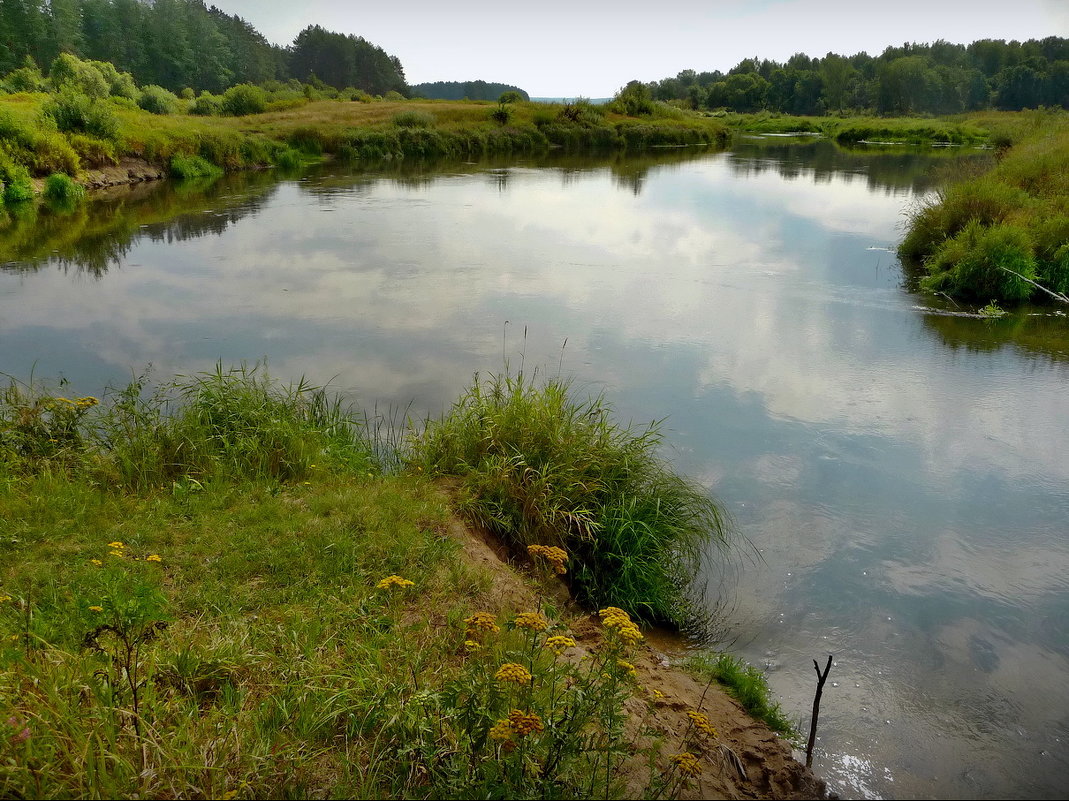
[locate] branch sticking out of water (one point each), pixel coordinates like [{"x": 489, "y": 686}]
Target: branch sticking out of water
[{"x": 821, "y": 678}]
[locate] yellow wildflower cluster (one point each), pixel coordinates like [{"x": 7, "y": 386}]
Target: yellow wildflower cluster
[
  {"x": 394, "y": 581},
  {"x": 481, "y": 621},
  {"x": 153, "y": 557},
  {"x": 559, "y": 644},
  {"x": 517, "y": 724},
  {"x": 616, "y": 619},
  {"x": 531, "y": 620},
  {"x": 552, "y": 554},
  {"x": 502, "y": 730},
  {"x": 4, "y": 598},
  {"x": 517, "y": 674},
  {"x": 687, "y": 763},
  {"x": 626, "y": 667},
  {"x": 96, "y": 608},
  {"x": 701, "y": 723},
  {"x": 80, "y": 403},
  {"x": 95, "y": 562},
  {"x": 525, "y": 723},
  {"x": 472, "y": 645}
]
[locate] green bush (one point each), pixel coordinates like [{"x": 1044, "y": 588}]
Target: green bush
[
  {"x": 15, "y": 181},
  {"x": 413, "y": 119},
  {"x": 540, "y": 467},
  {"x": 62, "y": 188},
  {"x": 393, "y": 96},
  {"x": 79, "y": 114},
  {"x": 92, "y": 151},
  {"x": 27, "y": 78},
  {"x": 70, "y": 73},
  {"x": 53, "y": 153},
  {"x": 289, "y": 159},
  {"x": 207, "y": 105},
  {"x": 157, "y": 100},
  {"x": 502, "y": 114},
  {"x": 977, "y": 263},
  {"x": 244, "y": 99},
  {"x": 634, "y": 100},
  {"x": 185, "y": 166}
]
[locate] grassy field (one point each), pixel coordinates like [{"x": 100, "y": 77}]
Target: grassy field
[{"x": 215, "y": 589}]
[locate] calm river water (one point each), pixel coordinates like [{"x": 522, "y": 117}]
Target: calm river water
[{"x": 902, "y": 469}]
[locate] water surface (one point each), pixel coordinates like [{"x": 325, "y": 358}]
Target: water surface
[{"x": 901, "y": 468}]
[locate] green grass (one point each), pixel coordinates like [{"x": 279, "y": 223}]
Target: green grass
[
  {"x": 982, "y": 235},
  {"x": 963, "y": 130},
  {"x": 540, "y": 465},
  {"x": 747, "y": 685},
  {"x": 192, "y": 604},
  {"x": 364, "y": 131}
]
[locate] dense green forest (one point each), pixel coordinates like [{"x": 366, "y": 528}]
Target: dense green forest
[
  {"x": 465, "y": 90},
  {"x": 180, "y": 44},
  {"x": 937, "y": 78}
]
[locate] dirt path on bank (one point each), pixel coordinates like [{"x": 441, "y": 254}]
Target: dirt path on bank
[{"x": 748, "y": 760}]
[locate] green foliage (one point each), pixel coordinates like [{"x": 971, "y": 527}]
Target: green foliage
[
  {"x": 157, "y": 100},
  {"x": 75, "y": 113},
  {"x": 512, "y": 96},
  {"x": 634, "y": 100},
  {"x": 539, "y": 466},
  {"x": 62, "y": 188},
  {"x": 207, "y": 105},
  {"x": 502, "y": 114},
  {"x": 91, "y": 151},
  {"x": 981, "y": 261},
  {"x": 187, "y": 167},
  {"x": 69, "y": 73},
  {"x": 244, "y": 99},
  {"x": 747, "y": 685},
  {"x": 288, "y": 158},
  {"x": 413, "y": 119},
  {"x": 27, "y": 78},
  {"x": 15, "y": 180}
]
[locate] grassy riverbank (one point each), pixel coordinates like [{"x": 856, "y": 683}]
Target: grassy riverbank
[
  {"x": 1003, "y": 234},
  {"x": 308, "y": 129},
  {"x": 197, "y": 601}
]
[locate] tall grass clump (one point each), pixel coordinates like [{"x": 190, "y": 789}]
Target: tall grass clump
[
  {"x": 77, "y": 113},
  {"x": 540, "y": 466},
  {"x": 413, "y": 119},
  {"x": 228, "y": 424},
  {"x": 63, "y": 189},
  {"x": 185, "y": 166},
  {"x": 157, "y": 100}
]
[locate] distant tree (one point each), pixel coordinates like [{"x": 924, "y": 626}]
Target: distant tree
[{"x": 635, "y": 99}]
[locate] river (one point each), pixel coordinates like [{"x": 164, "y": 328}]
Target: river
[{"x": 900, "y": 466}]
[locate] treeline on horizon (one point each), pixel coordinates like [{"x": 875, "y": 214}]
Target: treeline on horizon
[
  {"x": 936, "y": 78},
  {"x": 465, "y": 90},
  {"x": 180, "y": 44}
]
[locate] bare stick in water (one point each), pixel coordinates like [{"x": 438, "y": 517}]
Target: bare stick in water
[{"x": 821, "y": 678}]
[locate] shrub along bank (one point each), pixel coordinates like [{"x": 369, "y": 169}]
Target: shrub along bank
[{"x": 1002, "y": 235}]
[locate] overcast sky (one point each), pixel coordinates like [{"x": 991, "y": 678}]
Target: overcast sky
[{"x": 564, "y": 48}]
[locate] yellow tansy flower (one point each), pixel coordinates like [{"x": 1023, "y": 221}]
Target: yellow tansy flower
[
  {"x": 531, "y": 620},
  {"x": 687, "y": 763},
  {"x": 701, "y": 723},
  {"x": 552, "y": 554},
  {"x": 525, "y": 723},
  {"x": 4, "y": 598},
  {"x": 116, "y": 544},
  {"x": 113, "y": 552},
  {"x": 96, "y": 562},
  {"x": 96, "y": 608},
  {"x": 482, "y": 621},
  {"x": 559, "y": 643},
  {"x": 511, "y": 672},
  {"x": 153, "y": 557}
]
